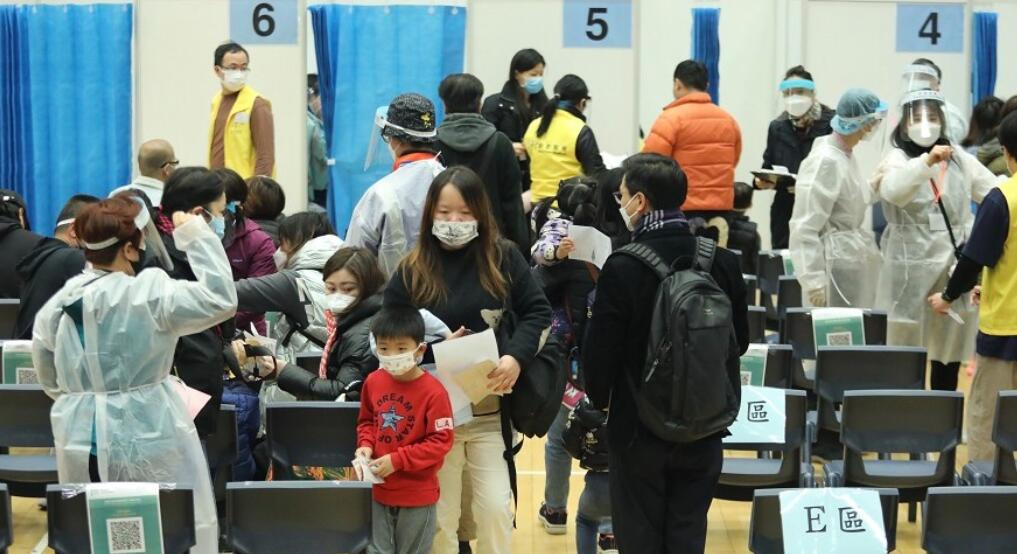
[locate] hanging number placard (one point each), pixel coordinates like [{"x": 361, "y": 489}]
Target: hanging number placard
[
  {"x": 264, "y": 21},
  {"x": 597, "y": 23},
  {"x": 930, "y": 27}
]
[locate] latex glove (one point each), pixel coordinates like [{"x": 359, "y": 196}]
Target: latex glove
[
  {"x": 939, "y": 153},
  {"x": 939, "y": 305},
  {"x": 817, "y": 298}
]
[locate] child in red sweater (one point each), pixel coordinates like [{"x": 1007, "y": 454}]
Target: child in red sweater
[{"x": 405, "y": 430}]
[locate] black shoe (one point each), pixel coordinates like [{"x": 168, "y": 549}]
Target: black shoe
[
  {"x": 464, "y": 547},
  {"x": 553, "y": 520},
  {"x": 606, "y": 544}
]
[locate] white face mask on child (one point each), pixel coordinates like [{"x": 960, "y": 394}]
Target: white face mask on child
[{"x": 398, "y": 364}]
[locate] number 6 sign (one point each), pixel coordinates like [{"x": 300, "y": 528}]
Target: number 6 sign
[
  {"x": 263, "y": 21},
  {"x": 597, "y": 23},
  {"x": 930, "y": 27}
]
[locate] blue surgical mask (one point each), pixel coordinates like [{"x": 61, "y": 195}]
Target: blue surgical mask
[
  {"x": 534, "y": 85},
  {"x": 218, "y": 225}
]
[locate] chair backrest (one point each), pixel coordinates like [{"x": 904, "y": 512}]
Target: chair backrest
[
  {"x": 751, "y": 290},
  {"x": 970, "y": 519},
  {"x": 310, "y": 434},
  {"x": 308, "y": 360},
  {"x": 778, "y": 366},
  {"x": 9, "y": 308},
  {"x": 309, "y": 517},
  {"x": 1004, "y": 434},
  {"x": 844, "y": 368},
  {"x": 795, "y": 409},
  {"x": 796, "y": 330},
  {"x": 757, "y": 324},
  {"x": 68, "y": 520},
  {"x": 911, "y": 421},
  {"x": 769, "y": 268},
  {"x": 6, "y": 525},
  {"x": 766, "y": 535},
  {"x": 221, "y": 449},
  {"x": 24, "y": 416},
  {"x": 789, "y": 294}
]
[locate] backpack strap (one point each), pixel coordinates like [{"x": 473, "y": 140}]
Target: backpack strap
[
  {"x": 646, "y": 255},
  {"x": 706, "y": 251}
]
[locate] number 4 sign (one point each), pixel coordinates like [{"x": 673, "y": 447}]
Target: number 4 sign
[
  {"x": 263, "y": 21},
  {"x": 597, "y": 23},
  {"x": 930, "y": 27}
]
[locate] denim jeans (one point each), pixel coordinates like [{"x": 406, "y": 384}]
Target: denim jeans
[
  {"x": 594, "y": 512},
  {"x": 557, "y": 464}
]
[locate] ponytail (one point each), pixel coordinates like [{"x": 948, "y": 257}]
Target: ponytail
[
  {"x": 569, "y": 88},
  {"x": 547, "y": 114}
]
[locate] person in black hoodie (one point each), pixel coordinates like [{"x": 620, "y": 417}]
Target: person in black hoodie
[
  {"x": 660, "y": 491},
  {"x": 520, "y": 101},
  {"x": 466, "y": 138},
  {"x": 16, "y": 241},
  {"x": 50, "y": 264},
  {"x": 743, "y": 233}
]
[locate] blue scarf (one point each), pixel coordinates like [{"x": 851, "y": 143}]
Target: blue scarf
[{"x": 660, "y": 219}]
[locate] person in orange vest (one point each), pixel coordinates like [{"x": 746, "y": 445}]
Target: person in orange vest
[{"x": 241, "y": 134}]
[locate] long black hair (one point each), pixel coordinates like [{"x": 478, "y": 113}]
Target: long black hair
[
  {"x": 985, "y": 118},
  {"x": 570, "y": 88},
  {"x": 901, "y": 139},
  {"x": 525, "y": 60}
]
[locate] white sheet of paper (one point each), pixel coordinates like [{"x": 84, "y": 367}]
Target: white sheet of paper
[
  {"x": 591, "y": 245},
  {"x": 466, "y": 362},
  {"x": 365, "y": 471},
  {"x": 462, "y": 410}
]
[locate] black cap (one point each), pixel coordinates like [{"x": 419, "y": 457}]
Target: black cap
[{"x": 410, "y": 111}]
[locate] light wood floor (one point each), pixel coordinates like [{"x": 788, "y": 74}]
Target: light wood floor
[{"x": 728, "y": 532}]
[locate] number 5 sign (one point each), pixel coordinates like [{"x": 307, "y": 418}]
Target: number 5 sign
[
  {"x": 930, "y": 27},
  {"x": 263, "y": 21},
  {"x": 597, "y": 23}
]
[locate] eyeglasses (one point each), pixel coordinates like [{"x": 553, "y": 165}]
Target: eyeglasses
[{"x": 617, "y": 197}]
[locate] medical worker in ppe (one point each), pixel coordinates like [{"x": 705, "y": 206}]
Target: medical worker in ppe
[
  {"x": 926, "y": 184},
  {"x": 386, "y": 220},
  {"x": 924, "y": 74},
  {"x": 834, "y": 254},
  {"x": 103, "y": 348}
]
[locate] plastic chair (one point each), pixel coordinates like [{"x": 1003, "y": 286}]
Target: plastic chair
[
  {"x": 796, "y": 330},
  {"x": 757, "y": 324},
  {"x": 68, "y": 520},
  {"x": 309, "y": 517},
  {"x": 1001, "y": 470},
  {"x": 766, "y": 534},
  {"x": 769, "y": 268},
  {"x": 221, "y": 450},
  {"x": 9, "y": 308},
  {"x": 844, "y": 368},
  {"x": 310, "y": 434},
  {"x": 789, "y": 294},
  {"x": 895, "y": 421},
  {"x": 6, "y": 521},
  {"x": 25, "y": 423},
  {"x": 740, "y": 477},
  {"x": 961, "y": 520},
  {"x": 778, "y": 366},
  {"x": 751, "y": 290}
]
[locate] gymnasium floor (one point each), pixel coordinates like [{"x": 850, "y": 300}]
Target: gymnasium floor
[{"x": 728, "y": 533}]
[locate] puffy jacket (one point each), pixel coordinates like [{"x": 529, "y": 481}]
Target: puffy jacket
[
  {"x": 250, "y": 251},
  {"x": 308, "y": 263},
  {"x": 349, "y": 362},
  {"x": 470, "y": 140},
  {"x": 15, "y": 244},
  {"x": 991, "y": 156},
  {"x": 45, "y": 270},
  {"x": 706, "y": 142}
]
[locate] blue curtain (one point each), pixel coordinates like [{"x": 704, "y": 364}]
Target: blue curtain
[
  {"x": 706, "y": 45},
  {"x": 368, "y": 55},
  {"x": 983, "y": 59},
  {"x": 65, "y": 86}
]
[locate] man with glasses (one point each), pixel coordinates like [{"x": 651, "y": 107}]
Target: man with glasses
[
  {"x": 156, "y": 162},
  {"x": 241, "y": 134}
]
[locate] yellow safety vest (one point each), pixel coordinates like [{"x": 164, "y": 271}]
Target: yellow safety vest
[
  {"x": 238, "y": 147},
  {"x": 553, "y": 156},
  {"x": 997, "y": 315}
]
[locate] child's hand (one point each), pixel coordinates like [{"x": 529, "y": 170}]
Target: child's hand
[
  {"x": 364, "y": 452},
  {"x": 382, "y": 467},
  {"x": 566, "y": 247}
]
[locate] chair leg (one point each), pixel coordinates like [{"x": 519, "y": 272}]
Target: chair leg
[{"x": 912, "y": 512}]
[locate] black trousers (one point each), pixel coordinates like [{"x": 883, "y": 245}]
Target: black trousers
[
  {"x": 780, "y": 216},
  {"x": 93, "y": 469},
  {"x": 661, "y": 493}
]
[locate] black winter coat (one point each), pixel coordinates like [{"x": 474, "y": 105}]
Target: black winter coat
[
  {"x": 15, "y": 244},
  {"x": 503, "y": 111},
  {"x": 45, "y": 270}
]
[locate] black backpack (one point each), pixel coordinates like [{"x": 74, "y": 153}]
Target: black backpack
[{"x": 685, "y": 391}]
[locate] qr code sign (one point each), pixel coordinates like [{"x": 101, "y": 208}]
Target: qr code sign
[
  {"x": 126, "y": 535},
  {"x": 842, "y": 338},
  {"x": 27, "y": 376}
]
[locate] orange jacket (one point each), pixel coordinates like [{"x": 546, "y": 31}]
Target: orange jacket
[{"x": 706, "y": 142}]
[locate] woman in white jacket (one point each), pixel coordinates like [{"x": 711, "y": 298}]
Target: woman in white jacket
[{"x": 926, "y": 185}]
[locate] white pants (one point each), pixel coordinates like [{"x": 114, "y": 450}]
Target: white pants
[{"x": 478, "y": 448}]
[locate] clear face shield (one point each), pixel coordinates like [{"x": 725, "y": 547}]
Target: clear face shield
[
  {"x": 151, "y": 241},
  {"x": 919, "y": 77},
  {"x": 923, "y": 117},
  {"x": 378, "y": 136}
]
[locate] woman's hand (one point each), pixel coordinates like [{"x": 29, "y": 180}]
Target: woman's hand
[
  {"x": 503, "y": 378},
  {"x": 940, "y": 306},
  {"x": 566, "y": 247},
  {"x": 976, "y": 295},
  {"x": 180, "y": 218},
  {"x": 764, "y": 184},
  {"x": 520, "y": 150},
  {"x": 460, "y": 333},
  {"x": 939, "y": 153}
]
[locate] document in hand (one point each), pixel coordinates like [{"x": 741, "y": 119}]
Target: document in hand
[
  {"x": 591, "y": 245},
  {"x": 467, "y": 361},
  {"x": 362, "y": 468}
]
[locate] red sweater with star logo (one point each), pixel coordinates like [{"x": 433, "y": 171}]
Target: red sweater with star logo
[{"x": 412, "y": 421}]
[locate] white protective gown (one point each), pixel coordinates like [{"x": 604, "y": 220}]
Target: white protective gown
[
  {"x": 831, "y": 247},
  {"x": 918, "y": 255},
  {"x": 108, "y": 369},
  {"x": 387, "y": 218}
]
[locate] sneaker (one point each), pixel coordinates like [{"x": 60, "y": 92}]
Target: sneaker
[
  {"x": 606, "y": 544},
  {"x": 553, "y": 520}
]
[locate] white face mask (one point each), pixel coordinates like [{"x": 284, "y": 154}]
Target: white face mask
[
  {"x": 630, "y": 221},
  {"x": 280, "y": 258},
  {"x": 234, "y": 79},
  {"x": 398, "y": 364},
  {"x": 455, "y": 234},
  {"x": 339, "y": 302},
  {"x": 924, "y": 134},
  {"x": 798, "y": 105}
]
